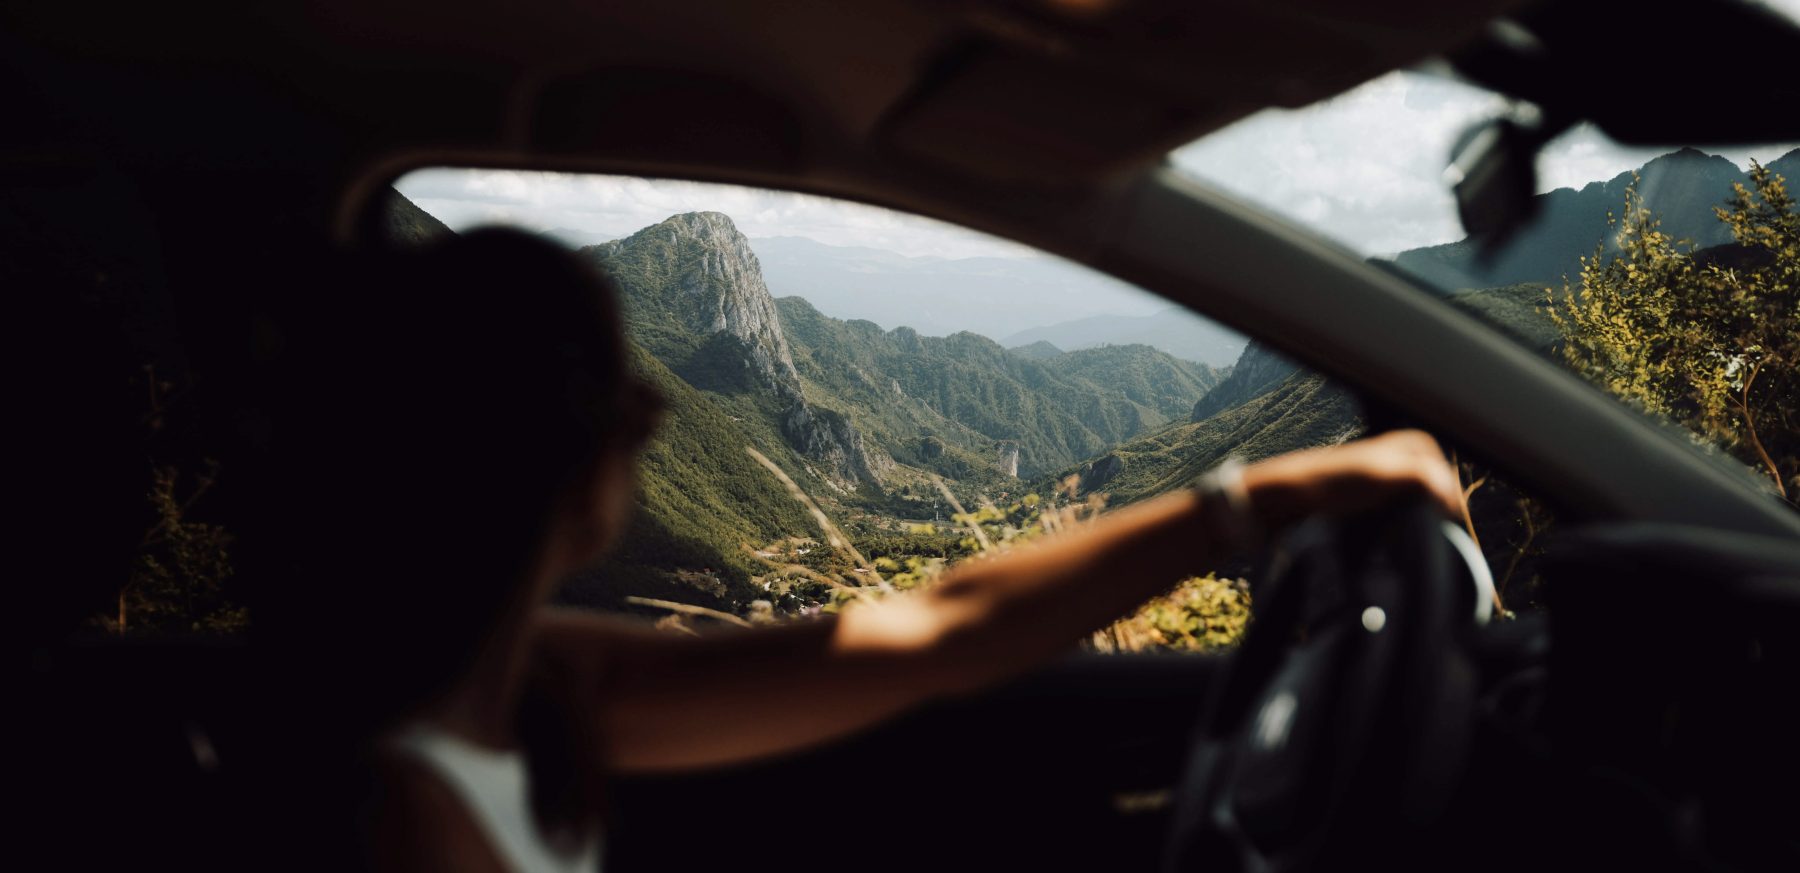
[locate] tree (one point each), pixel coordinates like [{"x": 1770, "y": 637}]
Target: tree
[
  {"x": 180, "y": 580},
  {"x": 1708, "y": 339}
]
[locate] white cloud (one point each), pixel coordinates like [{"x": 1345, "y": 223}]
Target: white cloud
[
  {"x": 620, "y": 205},
  {"x": 1365, "y": 168}
]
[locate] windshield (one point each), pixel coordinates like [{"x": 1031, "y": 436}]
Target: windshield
[
  {"x": 1667, "y": 276},
  {"x": 855, "y": 399}
]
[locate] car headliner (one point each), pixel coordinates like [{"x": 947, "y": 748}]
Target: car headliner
[
  {"x": 1045, "y": 122},
  {"x": 1024, "y": 91}
]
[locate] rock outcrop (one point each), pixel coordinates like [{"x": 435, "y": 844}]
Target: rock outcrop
[
  {"x": 1096, "y": 473},
  {"x": 828, "y": 437},
  {"x": 1009, "y": 457},
  {"x": 695, "y": 273},
  {"x": 698, "y": 269},
  {"x": 1256, "y": 373}
]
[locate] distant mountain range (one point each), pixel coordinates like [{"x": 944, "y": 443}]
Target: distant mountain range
[
  {"x": 993, "y": 297},
  {"x": 1681, "y": 188},
  {"x": 1267, "y": 405},
  {"x": 1175, "y": 330}
]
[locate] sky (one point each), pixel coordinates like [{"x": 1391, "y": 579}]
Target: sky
[
  {"x": 615, "y": 206},
  {"x": 1365, "y": 168}
]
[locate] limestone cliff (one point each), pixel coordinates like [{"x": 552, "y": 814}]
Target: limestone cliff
[
  {"x": 697, "y": 270},
  {"x": 1009, "y": 457},
  {"x": 692, "y": 278}
]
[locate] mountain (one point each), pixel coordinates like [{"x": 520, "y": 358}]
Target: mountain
[
  {"x": 701, "y": 498},
  {"x": 1301, "y": 410},
  {"x": 1266, "y": 405},
  {"x": 403, "y": 223},
  {"x": 694, "y": 296},
  {"x": 1256, "y": 372},
  {"x": 963, "y": 406},
  {"x": 1037, "y": 351},
  {"x": 990, "y": 296},
  {"x": 1788, "y": 167},
  {"x": 1174, "y": 330},
  {"x": 1681, "y": 188},
  {"x": 1145, "y": 375}
]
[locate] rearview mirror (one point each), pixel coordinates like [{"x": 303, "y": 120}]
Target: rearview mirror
[{"x": 1493, "y": 174}]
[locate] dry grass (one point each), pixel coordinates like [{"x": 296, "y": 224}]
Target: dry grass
[{"x": 1199, "y": 614}]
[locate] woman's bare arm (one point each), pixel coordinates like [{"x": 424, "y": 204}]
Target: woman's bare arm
[{"x": 665, "y": 701}]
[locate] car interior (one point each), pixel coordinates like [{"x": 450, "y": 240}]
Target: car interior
[{"x": 175, "y": 178}]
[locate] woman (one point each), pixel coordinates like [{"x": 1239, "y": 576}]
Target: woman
[{"x": 457, "y": 457}]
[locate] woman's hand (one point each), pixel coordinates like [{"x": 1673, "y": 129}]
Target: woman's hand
[{"x": 1354, "y": 476}]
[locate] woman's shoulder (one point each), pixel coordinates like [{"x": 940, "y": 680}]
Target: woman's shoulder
[{"x": 419, "y": 823}]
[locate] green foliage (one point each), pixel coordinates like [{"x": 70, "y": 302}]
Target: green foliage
[
  {"x": 1303, "y": 411},
  {"x": 1200, "y": 614},
  {"x": 405, "y": 224},
  {"x": 701, "y": 500},
  {"x": 180, "y": 580},
  {"x": 1708, "y": 345},
  {"x": 1143, "y": 374},
  {"x": 1203, "y": 614},
  {"x": 964, "y": 393}
]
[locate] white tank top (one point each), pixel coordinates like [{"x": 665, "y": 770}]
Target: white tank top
[{"x": 492, "y": 785}]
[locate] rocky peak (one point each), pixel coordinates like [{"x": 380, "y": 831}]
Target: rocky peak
[
  {"x": 1098, "y": 472},
  {"x": 700, "y": 269},
  {"x": 697, "y": 270}
]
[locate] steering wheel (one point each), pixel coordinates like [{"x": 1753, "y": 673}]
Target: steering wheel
[{"x": 1343, "y": 723}]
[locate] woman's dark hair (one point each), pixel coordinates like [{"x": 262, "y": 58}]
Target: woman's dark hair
[{"x": 433, "y": 406}]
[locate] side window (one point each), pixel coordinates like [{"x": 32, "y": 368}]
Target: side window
[
  {"x": 856, "y": 400},
  {"x": 1663, "y": 275}
]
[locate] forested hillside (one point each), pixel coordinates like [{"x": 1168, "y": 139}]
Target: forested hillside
[
  {"x": 1175, "y": 330},
  {"x": 973, "y": 396},
  {"x": 701, "y": 498},
  {"x": 1300, "y": 411}
]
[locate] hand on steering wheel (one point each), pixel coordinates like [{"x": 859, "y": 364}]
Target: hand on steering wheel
[
  {"x": 1353, "y": 477},
  {"x": 1345, "y": 716}
]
